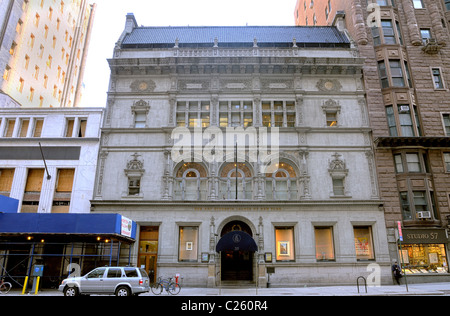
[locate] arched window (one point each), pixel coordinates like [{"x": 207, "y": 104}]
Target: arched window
[
  {"x": 228, "y": 177},
  {"x": 282, "y": 184},
  {"x": 190, "y": 182}
]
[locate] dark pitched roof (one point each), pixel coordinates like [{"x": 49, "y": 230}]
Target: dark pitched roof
[{"x": 239, "y": 35}]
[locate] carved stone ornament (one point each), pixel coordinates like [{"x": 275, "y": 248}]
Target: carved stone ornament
[
  {"x": 337, "y": 166},
  {"x": 331, "y": 106},
  {"x": 135, "y": 167},
  {"x": 329, "y": 85},
  {"x": 140, "y": 106},
  {"x": 143, "y": 86}
]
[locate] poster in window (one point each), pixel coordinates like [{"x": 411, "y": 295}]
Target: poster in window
[
  {"x": 284, "y": 248},
  {"x": 362, "y": 246},
  {"x": 189, "y": 245}
]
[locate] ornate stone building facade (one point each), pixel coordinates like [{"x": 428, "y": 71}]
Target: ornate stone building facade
[
  {"x": 217, "y": 213},
  {"x": 405, "y": 47}
]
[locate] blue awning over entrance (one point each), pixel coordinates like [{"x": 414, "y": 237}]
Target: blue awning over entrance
[
  {"x": 236, "y": 241},
  {"x": 77, "y": 224}
]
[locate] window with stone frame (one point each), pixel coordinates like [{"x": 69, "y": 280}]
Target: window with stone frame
[
  {"x": 403, "y": 120},
  {"x": 388, "y": 33},
  {"x": 338, "y": 172},
  {"x": 190, "y": 183},
  {"x": 193, "y": 114},
  {"x": 418, "y": 4},
  {"x": 447, "y": 4},
  {"x": 235, "y": 113},
  {"x": 282, "y": 184},
  {"x": 278, "y": 113},
  {"x": 140, "y": 110},
  {"x": 227, "y": 182},
  {"x": 415, "y": 185},
  {"x": 134, "y": 173},
  {"x": 446, "y": 123}
]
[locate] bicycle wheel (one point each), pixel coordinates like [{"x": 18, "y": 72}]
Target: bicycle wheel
[
  {"x": 5, "y": 287},
  {"x": 156, "y": 288},
  {"x": 174, "y": 288}
]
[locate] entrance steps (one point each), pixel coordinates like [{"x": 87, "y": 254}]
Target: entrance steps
[{"x": 237, "y": 284}]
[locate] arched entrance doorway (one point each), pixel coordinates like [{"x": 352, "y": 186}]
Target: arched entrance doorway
[{"x": 237, "y": 247}]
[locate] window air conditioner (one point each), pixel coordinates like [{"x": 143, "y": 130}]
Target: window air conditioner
[
  {"x": 404, "y": 108},
  {"x": 424, "y": 214}
]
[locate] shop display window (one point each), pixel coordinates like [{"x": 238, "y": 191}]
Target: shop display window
[
  {"x": 424, "y": 258},
  {"x": 363, "y": 243},
  {"x": 284, "y": 237},
  {"x": 188, "y": 245},
  {"x": 324, "y": 244}
]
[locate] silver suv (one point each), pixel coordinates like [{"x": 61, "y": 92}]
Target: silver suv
[{"x": 121, "y": 281}]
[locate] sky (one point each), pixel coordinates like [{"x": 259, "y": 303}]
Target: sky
[{"x": 110, "y": 21}]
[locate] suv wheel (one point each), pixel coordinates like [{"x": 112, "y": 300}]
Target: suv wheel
[
  {"x": 71, "y": 291},
  {"x": 123, "y": 291}
]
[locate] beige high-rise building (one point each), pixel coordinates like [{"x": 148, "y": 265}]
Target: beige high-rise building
[{"x": 43, "y": 50}]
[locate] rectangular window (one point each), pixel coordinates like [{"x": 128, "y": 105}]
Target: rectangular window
[
  {"x": 284, "y": 239},
  {"x": 134, "y": 186},
  {"x": 406, "y": 123},
  {"x": 10, "y": 123},
  {"x": 447, "y": 4},
  {"x": 188, "y": 243},
  {"x": 418, "y": 4},
  {"x": 82, "y": 128},
  {"x": 391, "y": 121},
  {"x": 331, "y": 118},
  {"x": 24, "y": 124},
  {"x": 383, "y": 74},
  {"x": 38, "y": 124},
  {"x": 446, "y": 118},
  {"x": 413, "y": 163},
  {"x": 425, "y": 258},
  {"x": 338, "y": 187},
  {"x": 388, "y": 32},
  {"x": 324, "y": 243},
  {"x": 6, "y": 180},
  {"x": 65, "y": 180},
  {"x": 398, "y": 163},
  {"x": 139, "y": 120},
  {"x": 437, "y": 78},
  {"x": 63, "y": 191},
  {"x": 396, "y": 73},
  {"x": 425, "y": 34},
  {"x": 420, "y": 203},
  {"x": 406, "y": 210},
  {"x": 363, "y": 243},
  {"x": 69, "y": 127},
  {"x": 447, "y": 161},
  {"x": 34, "y": 180}
]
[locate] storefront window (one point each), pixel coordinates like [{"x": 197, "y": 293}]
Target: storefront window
[
  {"x": 284, "y": 237},
  {"x": 324, "y": 243},
  {"x": 424, "y": 258},
  {"x": 363, "y": 243},
  {"x": 188, "y": 244}
]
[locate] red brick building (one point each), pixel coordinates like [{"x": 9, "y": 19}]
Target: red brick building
[{"x": 406, "y": 45}]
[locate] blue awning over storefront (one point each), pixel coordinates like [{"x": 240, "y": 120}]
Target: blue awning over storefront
[
  {"x": 77, "y": 224},
  {"x": 8, "y": 205}
]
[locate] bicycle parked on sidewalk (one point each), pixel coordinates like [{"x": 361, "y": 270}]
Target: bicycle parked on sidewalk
[
  {"x": 170, "y": 286},
  {"x": 5, "y": 287}
]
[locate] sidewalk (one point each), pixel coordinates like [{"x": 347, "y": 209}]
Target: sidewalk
[{"x": 387, "y": 290}]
